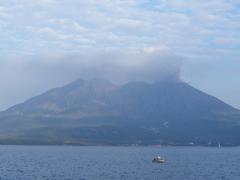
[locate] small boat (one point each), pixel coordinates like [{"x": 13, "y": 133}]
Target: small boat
[{"x": 158, "y": 159}]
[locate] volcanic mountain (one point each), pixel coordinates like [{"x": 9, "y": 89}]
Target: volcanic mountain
[{"x": 100, "y": 112}]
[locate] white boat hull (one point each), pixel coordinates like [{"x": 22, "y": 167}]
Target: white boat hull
[{"x": 158, "y": 161}]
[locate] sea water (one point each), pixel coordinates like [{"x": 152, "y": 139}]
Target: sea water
[{"x": 127, "y": 163}]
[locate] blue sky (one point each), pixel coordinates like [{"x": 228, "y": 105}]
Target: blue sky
[{"x": 49, "y": 43}]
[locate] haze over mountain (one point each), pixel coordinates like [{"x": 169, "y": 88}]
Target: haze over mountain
[{"x": 97, "y": 111}]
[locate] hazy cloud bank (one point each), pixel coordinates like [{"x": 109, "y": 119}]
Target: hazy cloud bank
[
  {"x": 149, "y": 64},
  {"x": 32, "y": 75}
]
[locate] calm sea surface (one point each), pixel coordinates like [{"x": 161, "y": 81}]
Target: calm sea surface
[{"x": 98, "y": 163}]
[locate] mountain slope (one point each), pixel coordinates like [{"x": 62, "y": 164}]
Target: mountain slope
[
  {"x": 173, "y": 97},
  {"x": 74, "y": 95},
  {"x": 98, "y": 111}
]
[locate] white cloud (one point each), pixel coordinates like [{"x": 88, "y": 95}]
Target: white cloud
[
  {"x": 229, "y": 41},
  {"x": 177, "y": 24}
]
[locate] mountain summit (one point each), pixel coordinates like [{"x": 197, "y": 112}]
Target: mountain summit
[{"x": 98, "y": 111}]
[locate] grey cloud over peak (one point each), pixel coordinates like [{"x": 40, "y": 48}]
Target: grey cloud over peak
[
  {"x": 150, "y": 64},
  {"x": 32, "y": 75}
]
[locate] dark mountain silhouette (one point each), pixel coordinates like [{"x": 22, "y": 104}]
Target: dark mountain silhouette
[{"x": 99, "y": 112}]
